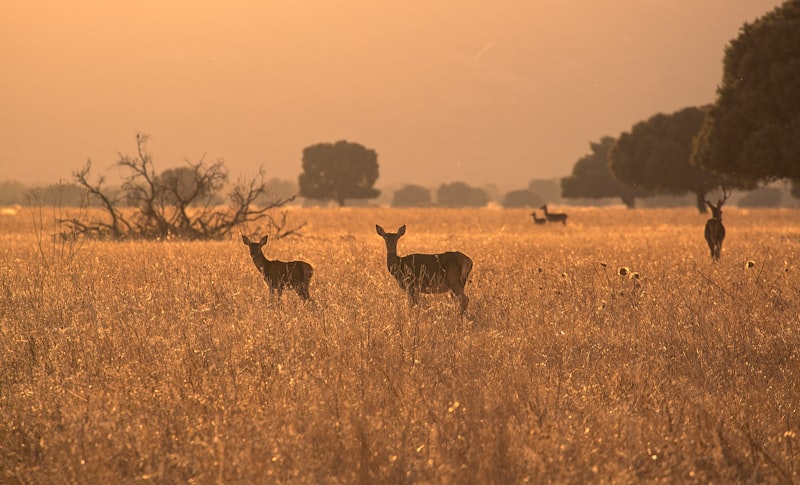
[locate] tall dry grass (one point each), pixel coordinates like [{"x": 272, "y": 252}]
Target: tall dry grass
[{"x": 167, "y": 362}]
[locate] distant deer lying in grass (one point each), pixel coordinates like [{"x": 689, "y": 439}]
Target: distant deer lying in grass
[
  {"x": 536, "y": 220},
  {"x": 715, "y": 231},
  {"x": 280, "y": 274},
  {"x": 554, "y": 216},
  {"x": 427, "y": 273}
]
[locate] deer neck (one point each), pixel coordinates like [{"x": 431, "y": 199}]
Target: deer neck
[
  {"x": 260, "y": 260},
  {"x": 392, "y": 258}
]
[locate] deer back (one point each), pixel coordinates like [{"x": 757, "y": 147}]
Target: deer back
[
  {"x": 287, "y": 273},
  {"x": 715, "y": 231},
  {"x": 432, "y": 273}
]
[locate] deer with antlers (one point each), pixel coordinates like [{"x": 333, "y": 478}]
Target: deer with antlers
[
  {"x": 554, "y": 216},
  {"x": 715, "y": 231},
  {"x": 427, "y": 273},
  {"x": 280, "y": 274}
]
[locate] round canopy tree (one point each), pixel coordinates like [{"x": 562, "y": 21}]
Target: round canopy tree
[
  {"x": 522, "y": 198},
  {"x": 459, "y": 194},
  {"x": 412, "y": 196},
  {"x": 655, "y": 155},
  {"x": 339, "y": 171},
  {"x": 752, "y": 131},
  {"x": 592, "y": 179}
]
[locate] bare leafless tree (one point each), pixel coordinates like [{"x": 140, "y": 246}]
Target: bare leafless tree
[{"x": 180, "y": 203}]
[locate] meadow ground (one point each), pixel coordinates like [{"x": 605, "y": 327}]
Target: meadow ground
[{"x": 167, "y": 362}]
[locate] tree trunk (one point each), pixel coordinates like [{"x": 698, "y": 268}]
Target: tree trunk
[
  {"x": 629, "y": 201},
  {"x": 701, "y": 204}
]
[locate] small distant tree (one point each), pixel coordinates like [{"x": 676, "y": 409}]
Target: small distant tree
[
  {"x": 12, "y": 192},
  {"x": 181, "y": 203},
  {"x": 459, "y": 194},
  {"x": 281, "y": 189},
  {"x": 339, "y": 171},
  {"x": 547, "y": 189},
  {"x": 65, "y": 194},
  {"x": 592, "y": 179},
  {"x": 522, "y": 198},
  {"x": 182, "y": 187},
  {"x": 412, "y": 196}
]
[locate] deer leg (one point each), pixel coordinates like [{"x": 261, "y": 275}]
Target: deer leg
[
  {"x": 464, "y": 302},
  {"x": 413, "y": 295},
  {"x": 302, "y": 291}
]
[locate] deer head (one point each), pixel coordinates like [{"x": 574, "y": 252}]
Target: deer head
[{"x": 716, "y": 210}]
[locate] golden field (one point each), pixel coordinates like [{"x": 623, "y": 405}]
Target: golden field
[{"x": 167, "y": 362}]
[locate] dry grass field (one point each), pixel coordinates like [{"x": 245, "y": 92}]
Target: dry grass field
[{"x": 167, "y": 362}]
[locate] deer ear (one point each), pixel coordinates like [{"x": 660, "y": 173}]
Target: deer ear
[
  {"x": 402, "y": 230},
  {"x": 245, "y": 240},
  {"x": 380, "y": 230},
  {"x": 263, "y": 241}
]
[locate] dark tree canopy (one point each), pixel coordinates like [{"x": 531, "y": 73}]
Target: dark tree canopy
[
  {"x": 752, "y": 131},
  {"x": 459, "y": 194},
  {"x": 339, "y": 171},
  {"x": 183, "y": 186},
  {"x": 547, "y": 189},
  {"x": 592, "y": 179},
  {"x": 522, "y": 198},
  {"x": 655, "y": 155},
  {"x": 412, "y": 196}
]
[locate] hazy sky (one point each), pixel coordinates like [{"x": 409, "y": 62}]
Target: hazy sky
[{"x": 444, "y": 90}]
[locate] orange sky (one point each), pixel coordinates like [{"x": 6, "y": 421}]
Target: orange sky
[{"x": 444, "y": 90}]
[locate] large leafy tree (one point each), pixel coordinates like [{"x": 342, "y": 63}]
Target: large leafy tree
[
  {"x": 339, "y": 171},
  {"x": 655, "y": 155},
  {"x": 752, "y": 131},
  {"x": 591, "y": 177}
]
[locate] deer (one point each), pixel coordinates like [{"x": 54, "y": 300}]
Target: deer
[
  {"x": 538, "y": 221},
  {"x": 554, "y": 216},
  {"x": 280, "y": 274},
  {"x": 715, "y": 231},
  {"x": 427, "y": 273}
]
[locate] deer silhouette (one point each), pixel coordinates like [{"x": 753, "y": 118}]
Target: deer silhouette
[
  {"x": 536, "y": 220},
  {"x": 554, "y": 216},
  {"x": 427, "y": 273},
  {"x": 715, "y": 231},
  {"x": 279, "y": 274}
]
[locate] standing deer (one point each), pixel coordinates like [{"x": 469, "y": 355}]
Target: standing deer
[
  {"x": 715, "y": 231},
  {"x": 280, "y": 274},
  {"x": 554, "y": 216},
  {"x": 536, "y": 220},
  {"x": 427, "y": 273}
]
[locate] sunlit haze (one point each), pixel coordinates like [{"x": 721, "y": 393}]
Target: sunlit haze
[{"x": 481, "y": 92}]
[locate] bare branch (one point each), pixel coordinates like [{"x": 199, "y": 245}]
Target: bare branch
[{"x": 181, "y": 202}]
